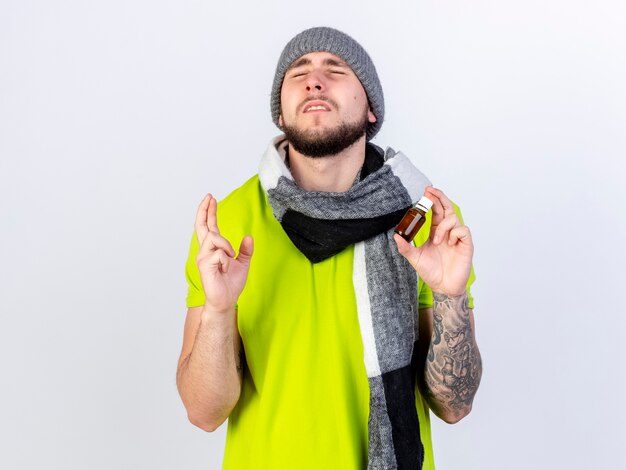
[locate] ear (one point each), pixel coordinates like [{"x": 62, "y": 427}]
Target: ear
[
  {"x": 280, "y": 120},
  {"x": 371, "y": 117}
]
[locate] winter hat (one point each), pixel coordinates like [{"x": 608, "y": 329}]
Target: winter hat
[{"x": 338, "y": 43}]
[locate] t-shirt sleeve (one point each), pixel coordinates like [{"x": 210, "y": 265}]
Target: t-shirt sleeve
[
  {"x": 425, "y": 293},
  {"x": 195, "y": 292}
]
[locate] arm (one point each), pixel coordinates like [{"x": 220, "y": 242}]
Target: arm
[
  {"x": 450, "y": 366},
  {"x": 209, "y": 373}
]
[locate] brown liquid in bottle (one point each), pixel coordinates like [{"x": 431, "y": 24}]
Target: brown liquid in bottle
[
  {"x": 413, "y": 220},
  {"x": 410, "y": 224}
]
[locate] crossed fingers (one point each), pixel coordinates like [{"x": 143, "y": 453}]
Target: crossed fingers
[
  {"x": 214, "y": 248},
  {"x": 206, "y": 217}
]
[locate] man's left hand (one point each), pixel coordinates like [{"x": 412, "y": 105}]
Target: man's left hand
[{"x": 444, "y": 262}]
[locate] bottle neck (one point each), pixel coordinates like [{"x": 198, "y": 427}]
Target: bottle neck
[{"x": 420, "y": 208}]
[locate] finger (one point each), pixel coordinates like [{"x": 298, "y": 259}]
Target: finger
[
  {"x": 212, "y": 216},
  {"x": 201, "y": 219},
  {"x": 219, "y": 242},
  {"x": 406, "y": 249},
  {"x": 461, "y": 234},
  {"x": 206, "y": 247},
  {"x": 447, "y": 224},
  {"x": 438, "y": 210},
  {"x": 445, "y": 203},
  {"x": 218, "y": 260},
  {"x": 246, "y": 248},
  {"x": 212, "y": 242},
  {"x": 212, "y": 261}
]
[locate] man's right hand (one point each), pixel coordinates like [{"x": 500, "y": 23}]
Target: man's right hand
[{"x": 223, "y": 275}]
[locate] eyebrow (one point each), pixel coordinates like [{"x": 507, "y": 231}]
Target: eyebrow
[{"x": 306, "y": 61}]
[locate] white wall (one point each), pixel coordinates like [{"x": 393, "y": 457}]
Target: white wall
[{"x": 116, "y": 117}]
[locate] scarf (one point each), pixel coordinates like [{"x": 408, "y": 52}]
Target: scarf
[{"x": 321, "y": 224}]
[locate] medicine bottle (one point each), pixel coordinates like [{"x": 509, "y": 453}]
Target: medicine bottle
[{"x": 414, "y": 219}]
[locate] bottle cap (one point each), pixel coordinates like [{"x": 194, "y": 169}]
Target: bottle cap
[{"x": 425, "y": 203}]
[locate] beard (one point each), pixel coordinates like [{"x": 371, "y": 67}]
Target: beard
[{"x": 326, "y": 142}]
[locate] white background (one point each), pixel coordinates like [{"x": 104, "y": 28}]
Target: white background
[{"x": 116, "y": 117}]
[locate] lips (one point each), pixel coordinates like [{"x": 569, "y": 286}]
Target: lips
[{"x": 316, "y": 106}]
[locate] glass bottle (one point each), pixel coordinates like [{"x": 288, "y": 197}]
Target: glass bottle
[{"x": 414, "y": 219}]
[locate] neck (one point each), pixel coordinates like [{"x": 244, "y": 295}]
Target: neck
[{"x": 332, "y": 173}]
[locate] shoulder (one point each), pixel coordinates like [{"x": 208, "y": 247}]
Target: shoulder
[
  {"x": 247, "y": 197},
  {"x": 238, "y": 195},
  {"x": 243, "y": 208}
]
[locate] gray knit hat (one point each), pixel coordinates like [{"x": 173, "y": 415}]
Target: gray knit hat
[{"x": 342, "y": 45}]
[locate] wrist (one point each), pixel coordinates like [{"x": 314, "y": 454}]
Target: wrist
[
  {"x": 454, "y": 300},
  {"x": 210, "y": 312},
  {"x": 445, "y": 295}
]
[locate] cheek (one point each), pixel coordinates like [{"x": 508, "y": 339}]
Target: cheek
[
  {"x": 287, "y": 102},
  {"x": 284, "y": 97},
  {"x": 359, "y": 102},
  {"x": 284, "y": 111},
  {"x": 359, "y": 97}
]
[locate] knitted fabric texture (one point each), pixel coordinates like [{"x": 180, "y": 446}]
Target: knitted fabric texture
[
  {"x": 324, "y": 39},
  {"x": 385, "y": 287}
]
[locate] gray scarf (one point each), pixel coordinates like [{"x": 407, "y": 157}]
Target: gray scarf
[{"x": 385, "y": 284}]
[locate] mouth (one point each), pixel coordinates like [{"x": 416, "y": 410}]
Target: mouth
[{"x": 316, "y": 106}]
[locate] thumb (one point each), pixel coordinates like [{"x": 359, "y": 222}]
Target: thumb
[
  {"x": 246, "y": 248},
  {"x": 406, "y": 249}
]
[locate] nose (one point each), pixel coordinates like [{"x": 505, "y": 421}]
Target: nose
[
  {"x": 314, "y": 82},
  {"x": 314, "y": 86}
]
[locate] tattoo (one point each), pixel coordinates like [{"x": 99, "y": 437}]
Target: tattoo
[
  {"x": 437, "y": 330},
  {"x": 453, "y": 366}
]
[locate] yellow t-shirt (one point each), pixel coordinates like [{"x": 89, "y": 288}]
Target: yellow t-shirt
[{"x": 305, "y": 396}]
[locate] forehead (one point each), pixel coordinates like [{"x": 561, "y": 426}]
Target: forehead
[{"x": 318, "y": 58}]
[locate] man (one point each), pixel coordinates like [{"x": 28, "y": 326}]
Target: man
[{"x": 327, "y": 347}]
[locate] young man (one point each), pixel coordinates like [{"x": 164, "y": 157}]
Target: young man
[{"x": 327, "y": 347}]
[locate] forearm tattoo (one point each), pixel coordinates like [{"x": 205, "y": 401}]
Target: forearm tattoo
[{"x": 453, "y": 366}]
